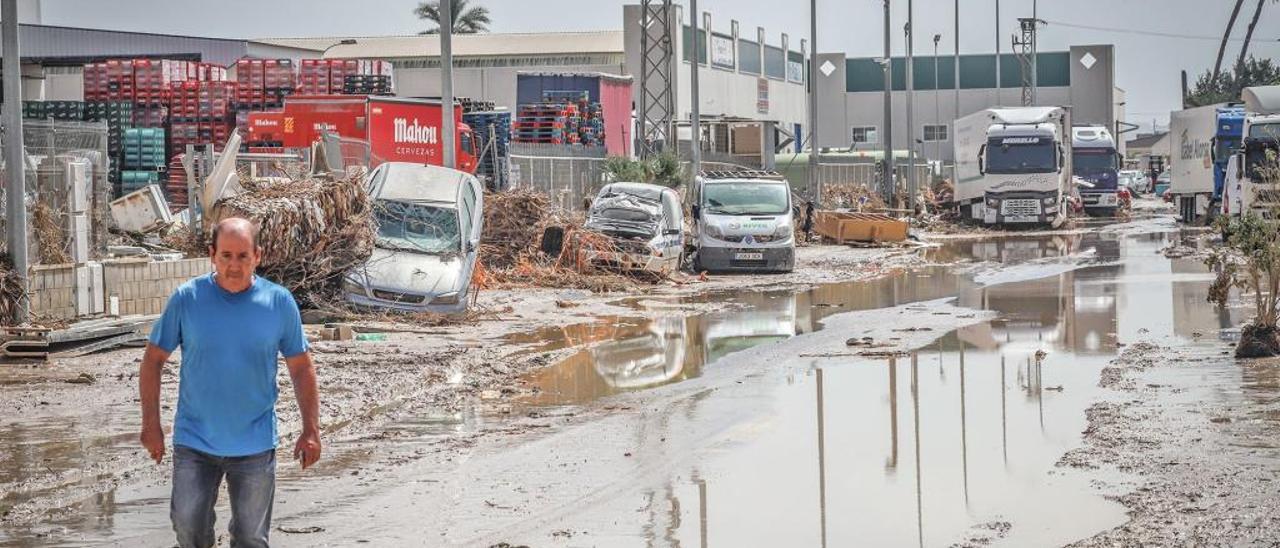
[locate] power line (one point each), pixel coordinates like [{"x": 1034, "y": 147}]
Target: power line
[{"x": 1159, "y": 34}]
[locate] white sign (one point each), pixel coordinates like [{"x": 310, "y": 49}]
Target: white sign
[
  {"x": 795, "y": 71},
  {"x": 722, "y": 51},
  {"x": 1088, "y": 60},
  {"x": 827, "y": 68}
]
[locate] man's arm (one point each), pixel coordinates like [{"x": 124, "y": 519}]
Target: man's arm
[
  {"x": 303, "y": 374},
  {"x": 152, "y": 436}
]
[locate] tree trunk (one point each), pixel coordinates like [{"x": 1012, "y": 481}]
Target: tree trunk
[
  {"x": 1226, "y": 36},
  {"x": 1248, "y": 35}
]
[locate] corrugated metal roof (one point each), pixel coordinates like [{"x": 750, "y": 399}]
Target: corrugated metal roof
[
  {"x": 47, "y": 42},
  {"x": 464, "y": 45}
]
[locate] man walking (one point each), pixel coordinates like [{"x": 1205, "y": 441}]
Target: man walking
[{"x": 231, "y": 325}]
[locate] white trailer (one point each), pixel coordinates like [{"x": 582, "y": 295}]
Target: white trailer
[
  {"x": 1013, "y": 165},
  {"x": 1191, "y": 159}
]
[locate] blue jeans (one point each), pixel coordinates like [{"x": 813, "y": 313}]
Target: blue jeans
[{"x": 251, "y": 484}]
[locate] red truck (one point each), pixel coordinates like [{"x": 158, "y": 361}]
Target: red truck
[{"x": 397, "y": 130}]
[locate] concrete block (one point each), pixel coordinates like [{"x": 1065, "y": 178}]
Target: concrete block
[{"x": 141, "y": 211}]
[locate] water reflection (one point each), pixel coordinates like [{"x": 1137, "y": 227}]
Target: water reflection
[{"x": 1061, "y": 299}]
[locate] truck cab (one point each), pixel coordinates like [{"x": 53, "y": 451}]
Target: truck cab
[
  {"x": 1249, "y": 171},
  {"x": 1095, "y": 160},
  {"x": 1013, "y": 165},
  {"x": 743, "y": 221}
]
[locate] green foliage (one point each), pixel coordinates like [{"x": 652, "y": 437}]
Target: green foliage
[
  {"x": 466, "y": 19},
  {"x": 663, "y": 169},
  {"x": 1228, "y": 85},
  {"x": 1249, "y": 260}
]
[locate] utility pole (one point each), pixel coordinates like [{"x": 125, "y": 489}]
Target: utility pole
[
  {"x": 815, "y": 187},
  {"x": 911, "y": 120},
  {"x": 955, "y": 83},
  {"x": 889, "y": 182},
  {"x": 448, "y": 124},
  {"x": 998, "y": 99},
  {"x": 695, "y": 117},
  {"x": 937, "y": 111},
  {"x": 14, "y": 156},
  {"x": 1035, "y": 76}
]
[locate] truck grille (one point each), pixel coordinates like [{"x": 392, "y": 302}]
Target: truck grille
[{"x": 1020, "y": 206}]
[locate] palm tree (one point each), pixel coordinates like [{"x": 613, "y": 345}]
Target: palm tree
[
  {"x": 1226, "y": 36},
  {"x": 1248, "y": 35},
  {"x": 466, "y": 19}
]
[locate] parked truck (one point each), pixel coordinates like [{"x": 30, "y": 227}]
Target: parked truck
[
  {"x": 1013, "y": 165},
  {"x": 1094, "y": 159},
  {"x": 1203, "y": 138},
  {"x": 396, "y": 129},
  {"x": 1255, "y": 190}
]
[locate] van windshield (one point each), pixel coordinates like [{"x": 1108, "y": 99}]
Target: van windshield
[
  {"x": 1021, "y": 155},
  {"x": 418, "y": 228},
  {"x": 746, "y": 198},
  {"x": 1269, "y": 132}
]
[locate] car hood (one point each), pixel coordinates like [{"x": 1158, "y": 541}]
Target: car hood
[{"x": 410, "y": 272}]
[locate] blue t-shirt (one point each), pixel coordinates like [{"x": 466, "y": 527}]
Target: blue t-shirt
[{"x": 230, "y": 341}]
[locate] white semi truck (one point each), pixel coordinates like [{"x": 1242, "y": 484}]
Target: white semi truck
[
  {"x": 1246, "y": 173},
  {"x": 1013, "y": 165},
  {"x": 1202, "y": 141}
]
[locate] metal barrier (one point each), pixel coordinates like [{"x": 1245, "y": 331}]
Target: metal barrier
[{"x": 566, "y": 180}]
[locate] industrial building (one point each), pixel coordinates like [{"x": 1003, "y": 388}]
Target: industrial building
[{"x": 851, "y": 95}]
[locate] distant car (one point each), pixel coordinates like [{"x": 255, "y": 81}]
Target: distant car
[
  {"x": 429, "y": 222},
  {"x": 1135, "y": 181},
  {"x": 646, "y": 223},
  {"x": 1162, "y": 184}
]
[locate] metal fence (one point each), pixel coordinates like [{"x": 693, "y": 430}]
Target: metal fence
[
  {"x": 567, "y": 174},
  {"x": 50, "y": 147}
]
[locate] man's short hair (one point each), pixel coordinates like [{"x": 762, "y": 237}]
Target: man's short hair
[{"x": 217, "y": 228}]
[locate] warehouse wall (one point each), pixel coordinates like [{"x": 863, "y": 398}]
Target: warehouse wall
[
  {"x": 497, "y": 84},
  {"x": 725, "y": 93}
]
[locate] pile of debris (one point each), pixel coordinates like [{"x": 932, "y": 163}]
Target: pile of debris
[
  {"x": 851, "y": 196},
  {"x": 11, "y": 290},
  {"x": 527, "y": 243},
  {"x": 312, "y": 231}
]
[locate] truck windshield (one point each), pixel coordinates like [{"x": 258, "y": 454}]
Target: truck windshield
[
  {"x": 1020, "y": 155},
  {"x": 1269, "y": 132},
  {"x": 418, "y": 228},
  {"x": 746, "y": 198},
  {"x": 1223, "y": 147},
  {"x": 1093, "y": 160}
]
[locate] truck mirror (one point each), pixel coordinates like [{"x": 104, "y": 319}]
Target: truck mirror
[
  {"x": 982, "y": 160},
  {"x": 697, "y": 211}
]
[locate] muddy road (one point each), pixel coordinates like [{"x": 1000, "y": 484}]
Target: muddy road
[{"x": 1023, "y": 390}]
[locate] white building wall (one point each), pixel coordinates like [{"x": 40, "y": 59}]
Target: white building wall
[{"x": 497, "y": 84}]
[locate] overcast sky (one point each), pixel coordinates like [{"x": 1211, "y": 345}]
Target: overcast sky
[{"x": 1147, "y": 65}]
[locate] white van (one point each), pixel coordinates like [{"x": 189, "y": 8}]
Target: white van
[{"x": 743, "y": 221}]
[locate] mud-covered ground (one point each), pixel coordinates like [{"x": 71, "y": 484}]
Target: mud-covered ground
[
  {"x": 68, "y": 429},
  {"x": 1201, "y": 432}
]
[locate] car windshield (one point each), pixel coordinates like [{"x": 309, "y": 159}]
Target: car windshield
[
  {"x": 746, "y": 198},
  {"x": 419, "y": 228},
  {"x": 1020, "y": 155}
]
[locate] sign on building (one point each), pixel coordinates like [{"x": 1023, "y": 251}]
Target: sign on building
[
  {"x": 722, "y": 51},
  {"x": 762, "y": 95},
  {"x": 795, "y": 72}
]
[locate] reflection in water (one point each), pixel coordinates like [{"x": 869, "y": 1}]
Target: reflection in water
[{"x": 1059, "y": 301}]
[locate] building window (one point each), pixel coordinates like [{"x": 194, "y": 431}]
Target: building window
[
  {"x": 935, "y": 133},
  {"x": 865, "y": 135}
]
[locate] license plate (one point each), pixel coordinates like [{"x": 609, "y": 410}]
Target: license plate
[
  {"x": 748, "y": 256},
  {"x": 1020, "y": 219}
]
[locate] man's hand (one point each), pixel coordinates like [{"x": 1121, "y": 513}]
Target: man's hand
[
  {"x": 152, "y": 438},
  {"x": 307, "y": 449}
]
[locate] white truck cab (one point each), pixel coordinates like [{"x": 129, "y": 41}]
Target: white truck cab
[
  {"x": 743, "y": 221},
  {"x": 1014, "y": 165},
  {"x": 1256, "y": 190}
]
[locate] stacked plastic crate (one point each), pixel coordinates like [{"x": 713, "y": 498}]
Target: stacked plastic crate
[
  {"x": 546, "y": 123},
  {"x": 262, "y": 84},
  {"x": 119, "y": 116},
  {"x": 345, "y": 76},
  {"x": 34, "y": 110},
  {"x": 143, "y": 159},
  {"x": 493, "y": 134},
  {"x": 199, "y": 113}
]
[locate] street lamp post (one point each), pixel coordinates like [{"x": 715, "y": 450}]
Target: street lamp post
[
  {"x": 911, "y": 99},
  {"x": 449, "y": 124},
  {"x": 889, "y": 181}
]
